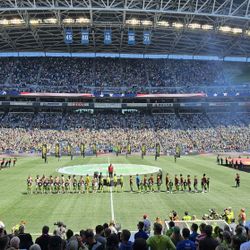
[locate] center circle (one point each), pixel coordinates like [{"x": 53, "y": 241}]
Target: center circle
[{"x": 119, "y": 169}]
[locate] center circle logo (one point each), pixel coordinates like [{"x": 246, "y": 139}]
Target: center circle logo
[{"x": 119, "y": 169}]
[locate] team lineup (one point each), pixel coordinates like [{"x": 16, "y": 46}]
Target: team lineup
[
  {"x": 6, "y": 163},
  {"x": 102, "y": 183}
]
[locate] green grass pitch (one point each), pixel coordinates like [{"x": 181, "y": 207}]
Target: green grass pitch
[{"x": 81, "y": 211}]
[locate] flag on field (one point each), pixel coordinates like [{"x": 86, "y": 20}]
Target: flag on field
[
  {"x": 129, "y": 148},
  {"x": 82, "y": 149},
  {"x": 158, "y": 149},
  {"x": 94, "y": 149},
  {"x": 44, "y": 151},
  {"x": 143, "y": 149},
  {"x": 57, "y": 150},
  {"x": 69, "y": 149},
  {"x": 178, "y": 151}
]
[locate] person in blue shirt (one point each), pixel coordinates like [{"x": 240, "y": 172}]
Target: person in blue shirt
[
  {"x": 147, "y": 224},
  {"x": 126, "y": 244},
  {"x": 185, "y": 244},
  {"x": 194, "y": 234},
  {"x": 138, "y": 181},
  {"x": 141, "y": 233}
]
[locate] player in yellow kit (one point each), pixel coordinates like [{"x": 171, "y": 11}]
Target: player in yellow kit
[
  {"x": 87, "y": 183},
  {"x": 101, "y": 183},
  {"x": 115, "y": 182},
  {"x": 121, "y": 182},
  {"x": 29, "y": 185},
  {"x": 108, "y": 183}
]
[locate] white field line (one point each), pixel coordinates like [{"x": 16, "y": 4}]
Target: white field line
[
  {"x": 112, "y": 205},
  {"x": 111, "y": 201}
]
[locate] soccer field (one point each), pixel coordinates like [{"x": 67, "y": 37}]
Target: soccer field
[{"x": 81, "y": 211}]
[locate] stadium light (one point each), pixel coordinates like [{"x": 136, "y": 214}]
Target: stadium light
[
  {"x": 146, "y": 22},
  {"x": 68, "y": 20},
  {"x": 163, "y": 23},
  {"x": 225, "y": 29},
  {"x": 194, "y": 26},
  {"x": 82, "y": 20},
  {"x": 16, "y": 21},
  {"x": 35, "y": 21},
  {"x": 178, "y": 25},
  {"x": 50, "y": 20},
  {"x": 4, "y": 22},
  {"x": 236, "y": 30},
  {"x": 207, "y": 27},
  {"x": 133, "y": 22},
  {"x": 248, "y": 32}
]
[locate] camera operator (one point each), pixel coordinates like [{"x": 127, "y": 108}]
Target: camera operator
[
  {"x": 228, "y": 215},
  {"x": 214, "y": 215},
  {"x": 225, "y": 215},
  {"x": 173, "y": 216},
  {"x": 4, "y": 238},
  {"x": 61, "y": 229}
]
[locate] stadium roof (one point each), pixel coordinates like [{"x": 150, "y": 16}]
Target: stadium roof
[{"x": 195, "y": 27}]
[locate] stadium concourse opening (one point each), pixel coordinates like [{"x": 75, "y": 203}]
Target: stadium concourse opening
[{"x": 119, "y": 169}]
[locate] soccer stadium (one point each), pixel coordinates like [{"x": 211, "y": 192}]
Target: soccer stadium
[{"x": 124, "y": 124}]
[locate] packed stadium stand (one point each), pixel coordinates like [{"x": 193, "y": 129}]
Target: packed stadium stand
[
  {"x": 79, "y": 75},
  {"x": 198, "y": 128},
  {"x": 200, "y": 132}
]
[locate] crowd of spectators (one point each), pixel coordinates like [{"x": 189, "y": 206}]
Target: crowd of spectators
[
  {"x": 74, "y": 75},
  {"x": 157, "y": 235},
  {"x": 203, "y": 132}
]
